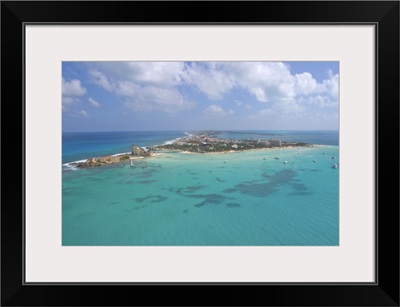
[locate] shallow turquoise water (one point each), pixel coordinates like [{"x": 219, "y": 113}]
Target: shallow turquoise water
[{"x": 206, "y": 199}]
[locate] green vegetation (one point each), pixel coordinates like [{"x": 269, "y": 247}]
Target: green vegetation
[
  {"x": 123, "y": 158},
  {"x": 209, "y": 144}
]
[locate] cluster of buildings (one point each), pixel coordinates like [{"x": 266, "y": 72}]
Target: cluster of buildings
[
  {"x": 206, "y": 143},
  {"x": 205, "y": 140},
  {"x": 141, "y": 151},
  {"x": 199, "y": 143}
]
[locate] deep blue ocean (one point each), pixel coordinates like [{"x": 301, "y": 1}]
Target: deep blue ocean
[
  {"x": 177, "y": 199},
  {"x": 81, "y": 145}
]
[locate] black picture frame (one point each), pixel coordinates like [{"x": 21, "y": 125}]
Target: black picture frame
[{"x": 383, "y": 14}]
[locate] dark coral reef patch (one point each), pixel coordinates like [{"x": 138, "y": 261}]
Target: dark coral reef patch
[
  {"x": 271, "y": 184},
  {"x": 210, "y": 199},
  {"x": 151, "y": 199},
  {"x": 233, "y": 205}
]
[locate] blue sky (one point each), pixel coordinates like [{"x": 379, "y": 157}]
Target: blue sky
[{"x": 133, "y": 96}]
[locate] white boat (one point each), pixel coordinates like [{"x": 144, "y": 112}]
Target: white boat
[{"x": 334, "y": 165}]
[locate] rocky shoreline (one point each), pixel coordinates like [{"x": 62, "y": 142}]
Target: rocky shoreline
[{"x": 91, "y": 162}]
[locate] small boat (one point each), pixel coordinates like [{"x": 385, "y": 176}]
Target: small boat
[
  {"x": 276, "y": 158},
  {"x": 334, "y": 165},
  {"x": 314, "y": 160},
  {"x": 285, "y": 162},
  {"x": 333, "y": 158}
]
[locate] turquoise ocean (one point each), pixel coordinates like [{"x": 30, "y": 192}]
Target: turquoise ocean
[{"x": 177, "y": 199}]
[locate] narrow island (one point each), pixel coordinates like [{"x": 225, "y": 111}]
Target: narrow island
[
  {"x": 208, "y": 143},
  {"x": 197, "y": 143}
]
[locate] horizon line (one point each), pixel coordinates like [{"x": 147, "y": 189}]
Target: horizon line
[{"x": 158, "y": 130}]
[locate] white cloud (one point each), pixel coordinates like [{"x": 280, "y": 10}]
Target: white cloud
[
  {"x": 100, "y": 79},
  {"x": 305, "y": 83},
  {"x": 324, "y": 94},
  {"x": 81, "y": 113},
  {"x": 210, "y": 78},
  {"x": 126, "y": 88},
  {"x": 268, "y": 82},
  {"x": 264, "y": 80},
  {"x": 214, "y": 110},
  {"x": 67, "y": 101},
  {"x": 260, "y": 93},
  {"x": 145, "y": 86},
  {"x": 93, "y": 102},
  {"x": 290, "y": 106},
  {"x": 151, "y": 98},
  {"x": 152, "y": 73},
  {"x": 72, "y": 88},
  {"x": 165, "y": 73},
  {"x": 329, "y": 86},
  {"x": 321, "y": 101},
  {"x": 159, "y": 86}
]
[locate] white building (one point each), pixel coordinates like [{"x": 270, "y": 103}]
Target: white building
[{"x": 276, "y": 143}]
